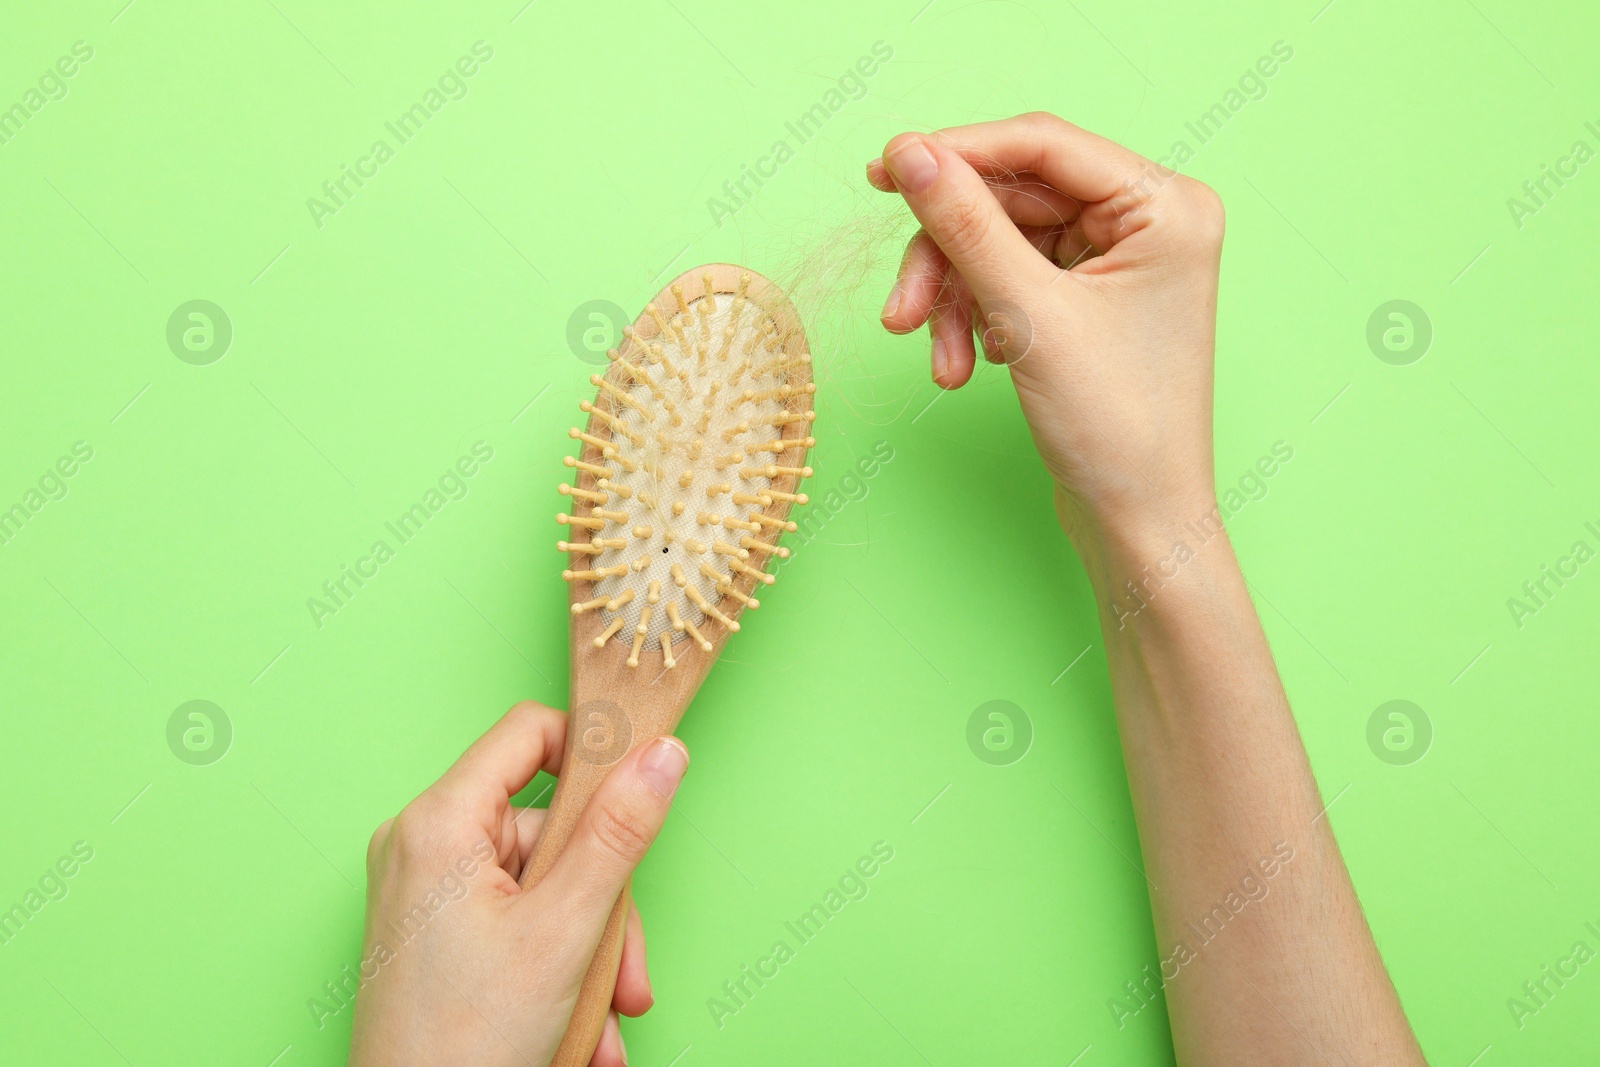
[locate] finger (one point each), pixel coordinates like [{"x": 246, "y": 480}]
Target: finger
[
  {"x": 878, "y": 176},
  {"x": 1071, "y": 248},
  {"x": 1031, "y": 202},
  {"x": 963, "y": 217},
  {"x": 1027, "y": 199},
  {"x": 1083, "y": 165},
  {"x": 1065, "y": 247},
  {"x": 1115, "y": 186},
  {"x": 916, "y": 290},
  {"x": 633, "y": 996},
  {"x": 518, "y": 837},
  {"x": 616, "y": 828},
  {"x": 610, "y": 1052},
  {"x": 377, "y": 843},
  {"x": 1043, "y": 239},
  {"x": 953, "y": 356},
  {"x": 527, "y": 739},
  {"x": 986, "y": 337}
]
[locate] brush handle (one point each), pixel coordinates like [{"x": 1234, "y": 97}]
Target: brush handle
[
  {"x": 589, "y": 757},
  {"x": 594, "y": 998}
]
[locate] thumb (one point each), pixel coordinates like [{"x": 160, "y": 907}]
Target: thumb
[
  {"x": 960, "y": 212},
  {"x": 615, "y": 830}
]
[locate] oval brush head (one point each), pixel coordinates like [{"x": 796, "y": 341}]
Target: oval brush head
[{"x": 693, "y": 454}]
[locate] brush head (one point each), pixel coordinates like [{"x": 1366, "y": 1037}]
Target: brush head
[{"x": 693, "y": 454}]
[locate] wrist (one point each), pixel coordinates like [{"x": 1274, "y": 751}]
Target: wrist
[
  {"x": 1140, "y": 563},
  {"x": 1130, "y": 531}
]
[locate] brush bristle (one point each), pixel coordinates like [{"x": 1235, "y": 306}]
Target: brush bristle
[{"x": 690, "y": 459}]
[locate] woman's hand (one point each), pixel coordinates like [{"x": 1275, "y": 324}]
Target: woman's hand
[
  {"x": 458, "y": 964},
  {"x": 1092, "y": 272}
]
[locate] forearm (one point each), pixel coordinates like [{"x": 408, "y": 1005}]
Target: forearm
[{"x": 1264, "y": 954}]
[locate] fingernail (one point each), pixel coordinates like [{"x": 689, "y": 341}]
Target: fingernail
[
  {"x": 663, "y": 764},
  {"x": 623, "y": 1045},
  {"x": 912, "y": 166},
  {"x": 941, "y": 362},
  {"x": 891, "y": 305},
  {"x": 876, "y": 162}
]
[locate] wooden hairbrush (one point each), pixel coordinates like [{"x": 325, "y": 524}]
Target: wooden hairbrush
[{"x": 694, "y": 450}]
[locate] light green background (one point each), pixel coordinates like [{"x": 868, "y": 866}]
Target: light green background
[{"x": 433, "y": 308}]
